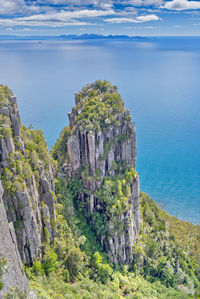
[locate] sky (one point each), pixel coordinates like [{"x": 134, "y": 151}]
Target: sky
[{"x": 130, "y": 17}]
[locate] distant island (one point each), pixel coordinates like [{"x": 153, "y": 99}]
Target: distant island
[{"x": 72, "y": 37}]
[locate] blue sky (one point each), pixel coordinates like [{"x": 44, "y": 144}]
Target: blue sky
[{"x": 131, "y": 17}]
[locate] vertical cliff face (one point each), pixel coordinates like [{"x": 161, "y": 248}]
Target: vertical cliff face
[
  {"x": 12, "y": 275},
  {"x": 101, "y": 151},
  {"x": 27, "y": 179}
]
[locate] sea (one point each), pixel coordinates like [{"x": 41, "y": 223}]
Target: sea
[{"x": 159, "y": 81}]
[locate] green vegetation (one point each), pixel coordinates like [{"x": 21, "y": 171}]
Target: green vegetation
[
  {"x": 161, "y": 267},
  {"x": 98, "y": 106},
  {"x": 25, "y": 162},
  {"x": 74, "y": 264},
  {"x": 30, "y": 153},
  {"x": 186, "y": 234},
  {"x": 157, "y": 255},
  {"x": 2, "y": 269},
  {"x": 121, "y": 285},
  {"x": 36, "y": 150},
  {"x": 59, "y": 151},
  {"x": 5, "y": 130},
  {"x": 113, "y": 194},
  {"x": 15, "y": 293},
  {"x": 5, "y": 93}
]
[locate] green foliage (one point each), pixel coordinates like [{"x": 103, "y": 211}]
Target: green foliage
[
  {"x": 91, "y": 243},
  {"x": 7, "y": 174},
  {"x": 114, "y": 194},
  {"x": 67, "y": 193},
  {"x": 12, "y": 182},
  {"x": 5, "y": 93},
  {"x": 22, "y": 173},
  {"x": 79, "y": 261},
  {"x": 15, "y": 293},
  {"x": 24, "y": 164},
  {"x": 165, "y": 271},
  {"x": 98, "y": 107},
  {"x": 26, "y": 171},
  {"x": 36, "y": 148},
  {"x": 67, "y": 247},
  {"x": 37, "y": 267},
  {"x": 186, "y": 234},
  {"x": 103, "y": 86},
  {"x": 101, "y": 270},
  {"x": 59, "y": 150},
  {"x": 119, "y": 286},
  {"x": 74, "y": 264},
  {"x": 157, "y": 255},
  {"x": 46, "y": 236},
  {"x": 49, "y": 260},
  {"x": 3, "y": 263},
  {"x": 1, "y": 285},
  {"x": 5, "y": 132}
]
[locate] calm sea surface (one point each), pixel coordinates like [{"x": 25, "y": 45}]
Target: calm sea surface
[{"x": 159, "y": 80}]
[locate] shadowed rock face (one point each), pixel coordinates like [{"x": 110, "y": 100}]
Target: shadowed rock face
[
  {"x": 13, "y": 275},
  {"x": 99, "y": 149},
  {"x": 26, "y": 178}
]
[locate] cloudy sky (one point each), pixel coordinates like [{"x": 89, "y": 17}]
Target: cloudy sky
[{"x": 131, "y": 17}]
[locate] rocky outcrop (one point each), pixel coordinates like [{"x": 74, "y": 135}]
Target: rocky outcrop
[
  {"x": 100, "y": 147},
  {"x": 13, "y": 275},
  {"x": 27, "y": 177}
]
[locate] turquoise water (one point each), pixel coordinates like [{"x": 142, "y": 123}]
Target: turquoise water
[{"x": 158, "y": 79}]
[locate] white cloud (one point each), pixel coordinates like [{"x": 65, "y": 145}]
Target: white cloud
[
  {"x": 30, "y": 7},
  {"x": 148, "y": 18},
  {"x": 139, "y": 19},
  {"x": 68, "y": 3},
  {"x": 21, "y": 22},
  {"x": 75, "y": 2},
  {"x": 150, "y": 27},
  {"x": 56, "y": 18},
  {"x": 181, "y": 5},
  {"x": 63, "y": 15},
  {"x": 146, "y": 2},
  {"x": 120, "y": 20},
  {"x": 11, "y": 7}
]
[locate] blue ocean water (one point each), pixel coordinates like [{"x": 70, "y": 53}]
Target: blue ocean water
[{"x": 158, "y": 79}]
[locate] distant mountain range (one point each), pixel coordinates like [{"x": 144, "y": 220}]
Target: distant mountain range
[{"x": 72, "y": 37}]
